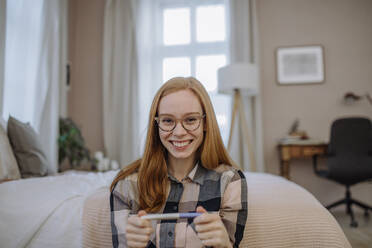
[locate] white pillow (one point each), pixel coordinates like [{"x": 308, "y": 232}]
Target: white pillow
[{"x": 8, "y": 164}]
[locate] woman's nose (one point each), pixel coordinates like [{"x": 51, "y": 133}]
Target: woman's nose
[{"x": 179, "y": 130}]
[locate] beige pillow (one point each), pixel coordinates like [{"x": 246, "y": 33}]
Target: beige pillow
[
  {"x": 27, "y": 149},
  {"x": 96, "y": 220},
  {"x": 8, "y": 164}
]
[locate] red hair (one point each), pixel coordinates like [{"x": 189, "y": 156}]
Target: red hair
[{"x": 152, "y": 181}]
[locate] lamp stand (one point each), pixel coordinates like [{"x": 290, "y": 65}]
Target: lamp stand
[{"x": 238, "y": 108}]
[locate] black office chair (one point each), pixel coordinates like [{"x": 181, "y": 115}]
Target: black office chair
[{"x": 349, "y": 159}]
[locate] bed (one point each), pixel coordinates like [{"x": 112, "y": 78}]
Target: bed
[{"x": 72, "y": 210}]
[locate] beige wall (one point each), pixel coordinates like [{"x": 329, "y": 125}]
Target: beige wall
[
  {"x": 85, "y": 55},
  {"x": 343, "y": 28}
]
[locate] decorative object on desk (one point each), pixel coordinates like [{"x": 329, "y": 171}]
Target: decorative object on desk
[
  {"x": 71, "y": 145},
  {"x": 351, "y": 97},
  {"x": 105, "y": 164},
  {"x": 300, "y": 65},
  {"x": 294, "y": 126},
  {"x": 240, "y": 79},
  {"x": 296, "y": 134}
]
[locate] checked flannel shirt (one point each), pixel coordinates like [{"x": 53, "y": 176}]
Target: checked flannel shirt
[{"x": 222, "y": 190}]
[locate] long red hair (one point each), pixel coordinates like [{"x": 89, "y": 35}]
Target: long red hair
[{"x": 152, "y": 181}]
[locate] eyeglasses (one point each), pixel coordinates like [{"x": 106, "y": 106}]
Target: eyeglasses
[{"x": 168, "y": 123}]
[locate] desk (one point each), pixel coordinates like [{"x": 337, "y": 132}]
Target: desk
[{"x": 289, "y": 151}]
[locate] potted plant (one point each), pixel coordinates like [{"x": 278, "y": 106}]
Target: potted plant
[{"x": 71, "y": 145}]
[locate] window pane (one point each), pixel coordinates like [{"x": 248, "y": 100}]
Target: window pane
[
  {"x": 210, "y": 23},
  {"x": 176, "y": 24},
  {"x": 206, "y": 70},
  {"x": 176, "y": 67}
]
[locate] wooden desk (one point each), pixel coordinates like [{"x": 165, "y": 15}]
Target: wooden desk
[{"x": 289, "y": 151}]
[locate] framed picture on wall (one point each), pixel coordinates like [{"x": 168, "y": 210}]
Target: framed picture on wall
[{"x": 300, "y": 65}]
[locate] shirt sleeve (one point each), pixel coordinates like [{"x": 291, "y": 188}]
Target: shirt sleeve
[
  {"x": 121, "y": 205},
  {"x": 234, "y": 208}
]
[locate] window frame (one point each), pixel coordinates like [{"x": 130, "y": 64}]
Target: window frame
[{"x": 194, "y": 48}]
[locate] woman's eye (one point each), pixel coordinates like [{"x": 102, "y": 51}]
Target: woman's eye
[
  {"x": 191, "y": 119},
  {"x": 167, "y": 121}
]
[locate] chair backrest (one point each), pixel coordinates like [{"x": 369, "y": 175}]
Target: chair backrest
[{"x": 351, "y": 136}]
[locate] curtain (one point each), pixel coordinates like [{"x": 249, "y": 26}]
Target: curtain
[
  {"x": 120, "y": 83},
  {"x": 127, "y": 57},
  {"x": 2, "y": 49},
  {"x": 244, "y": 49},
  {"x": 34, "y": 67},
  {"x": 52, "y": 76}
]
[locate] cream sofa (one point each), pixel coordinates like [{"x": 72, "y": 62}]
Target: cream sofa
[{"x": 280, "y": 214}]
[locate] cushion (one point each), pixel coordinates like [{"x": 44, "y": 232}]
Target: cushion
[
  {"x": 280, "y": 214},
  {"x": 8, "y": 164},
  {"x": 96, "y": 220},
  {"x": 27, "y": 149}
]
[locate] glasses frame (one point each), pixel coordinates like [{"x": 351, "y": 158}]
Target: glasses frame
[{"x": 201, "y": 117}]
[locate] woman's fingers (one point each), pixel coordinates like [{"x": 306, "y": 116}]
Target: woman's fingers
[
  {"x": 215, "y": 242},
  {"x": 206, "y": 227},
  {"x": 210, "y": 229},
  {"x": 205, "y": 217},
  {"x": 142, "y": 213},
  {"x": 138, "y": 231},
  {"x": 200, "y": 209},
  {"x": 138, "y": 237},
  {"x": 131, "y": 243},
  {"x": 137, "y": 221}
]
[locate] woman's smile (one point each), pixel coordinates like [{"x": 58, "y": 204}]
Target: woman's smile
[{"x": 181, "y": 144}]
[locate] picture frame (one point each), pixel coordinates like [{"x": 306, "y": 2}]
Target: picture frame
[{"x": 300, "y": 65}]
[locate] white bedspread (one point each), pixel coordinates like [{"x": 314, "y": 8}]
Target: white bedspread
[{"x": 46, "y": 212}]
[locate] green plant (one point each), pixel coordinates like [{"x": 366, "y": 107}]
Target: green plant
[{"x": 71, "y": 144}]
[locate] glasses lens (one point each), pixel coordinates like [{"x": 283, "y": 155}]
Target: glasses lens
[
  {"x": 166, "y": 123},
  {"x": 191, "y": 123}
]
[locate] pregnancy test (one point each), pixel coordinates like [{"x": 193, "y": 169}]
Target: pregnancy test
[{"x": 172, "y": 216}]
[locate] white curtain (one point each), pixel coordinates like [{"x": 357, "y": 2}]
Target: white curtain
[
  {"x": 120, "y": 83},
  {"x": 2, "y": 49},
  {"x": 34, "y": 67},
  {"x": 244, "y": 49},
  {"x": 52, "y": 76},
  {"x": 127, "y": 68}
]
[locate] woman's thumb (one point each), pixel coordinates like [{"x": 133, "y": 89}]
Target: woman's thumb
[
  {"x": 200, "y": 209},
  {"x": 141, "y": 213}
]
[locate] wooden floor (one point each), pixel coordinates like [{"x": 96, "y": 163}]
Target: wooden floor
[{"x": 360, "y": 237}]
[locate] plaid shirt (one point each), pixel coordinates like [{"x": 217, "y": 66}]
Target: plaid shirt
[{"x": 222, "y": 190}]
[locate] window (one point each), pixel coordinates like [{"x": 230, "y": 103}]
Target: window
[{"x": 191, "y": 41}]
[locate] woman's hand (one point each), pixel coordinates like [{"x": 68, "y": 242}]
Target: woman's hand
[
  {"x": 138, "y": 231},
  {"x": 211, "y": 230}
]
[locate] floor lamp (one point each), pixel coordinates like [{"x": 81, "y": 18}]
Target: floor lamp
[{"x": 240, "y": 79}]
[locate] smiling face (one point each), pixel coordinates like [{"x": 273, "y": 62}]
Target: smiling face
[{"x": 180, "y": 143}]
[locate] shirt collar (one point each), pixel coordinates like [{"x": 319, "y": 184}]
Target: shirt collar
[{"x": 195, "y": 175}]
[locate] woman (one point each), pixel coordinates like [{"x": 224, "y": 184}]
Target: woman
[{"x": 185, "y": 168}]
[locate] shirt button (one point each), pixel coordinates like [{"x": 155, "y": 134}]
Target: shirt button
[{"x": 170, "y": 234}]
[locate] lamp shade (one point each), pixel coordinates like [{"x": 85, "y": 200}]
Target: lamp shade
[{"x": 238, "y": 76}]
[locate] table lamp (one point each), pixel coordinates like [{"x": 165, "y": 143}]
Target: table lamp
[{"x": 239, "y": 79}]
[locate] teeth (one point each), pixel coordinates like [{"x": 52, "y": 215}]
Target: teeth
[{"x": 180, "y": 144}]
